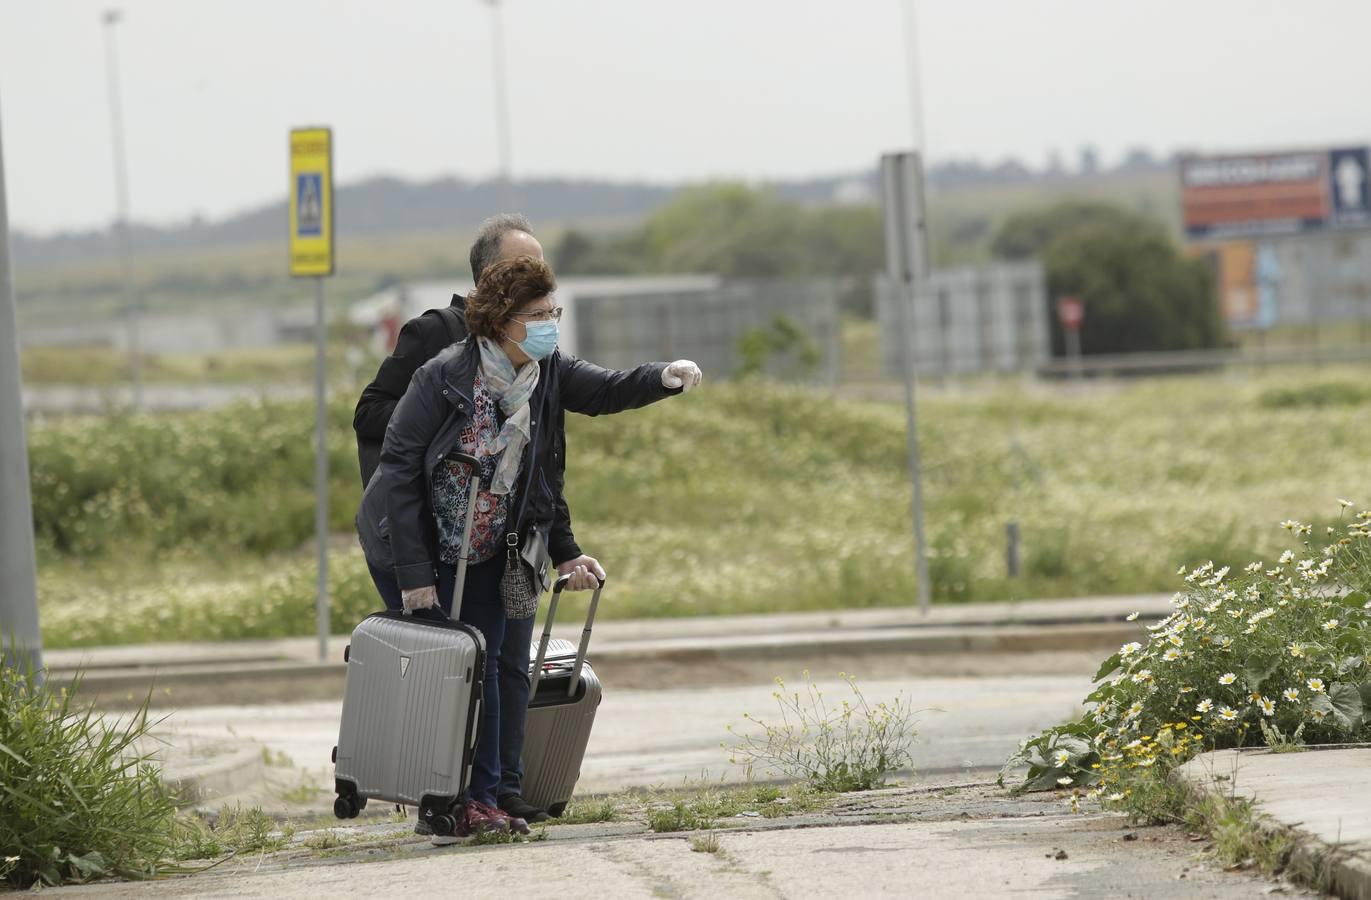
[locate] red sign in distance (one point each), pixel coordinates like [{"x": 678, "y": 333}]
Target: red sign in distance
[{"x": 1071, "y": 312}]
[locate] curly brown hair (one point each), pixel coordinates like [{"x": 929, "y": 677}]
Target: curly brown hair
[{"x": 506, "y": 286}]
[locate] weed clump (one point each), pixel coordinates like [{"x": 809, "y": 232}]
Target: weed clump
[
  {"x": 849, "y": 747},
  {"x": 80, "y": 798}
]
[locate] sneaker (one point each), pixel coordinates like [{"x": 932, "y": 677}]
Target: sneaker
[
  {"x": 422, "y": 827},
  {"x": 477, "y": 817},
  {"x": 517, "y": 806}
]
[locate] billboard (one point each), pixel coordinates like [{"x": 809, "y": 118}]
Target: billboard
[{"x": 1263, "y": 194}]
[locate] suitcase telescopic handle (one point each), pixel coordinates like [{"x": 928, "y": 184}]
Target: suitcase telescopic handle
[
  {"x": 473, "y": 493},
  {"x": 557, "y": 588}
]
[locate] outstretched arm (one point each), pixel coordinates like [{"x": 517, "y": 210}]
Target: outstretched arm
[{"x": 594, "y": 391}]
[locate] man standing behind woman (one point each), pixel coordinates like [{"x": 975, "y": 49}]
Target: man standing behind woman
[{"x": 500, "y": 396}]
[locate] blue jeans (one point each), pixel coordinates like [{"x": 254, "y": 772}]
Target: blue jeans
[
  {"x": 514, "y": 687},
  {"x": 483, "y": 609}
]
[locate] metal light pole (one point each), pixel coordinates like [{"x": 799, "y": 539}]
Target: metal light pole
[
  {"x": 912, "y": 70},
  {"x": 906, "y": 256},
  {"x": 502, "y": 134},
  {"x": 20, "y": 639},
  {"x": 132, "y": 302}
]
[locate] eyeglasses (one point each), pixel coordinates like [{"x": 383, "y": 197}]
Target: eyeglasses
[{"x": 542, "y": 315}]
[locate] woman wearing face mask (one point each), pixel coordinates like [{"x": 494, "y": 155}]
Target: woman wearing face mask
[{"x": 500, "y": 396}]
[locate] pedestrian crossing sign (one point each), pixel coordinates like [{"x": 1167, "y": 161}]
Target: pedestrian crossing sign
[{"x": 311, "y": 202}]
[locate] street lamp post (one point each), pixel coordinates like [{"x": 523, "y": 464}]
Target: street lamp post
[
  {"x": 912, "y": 70},
  {"x": 132, "y": 303},
  {"x": 502, "y": 134},
  {"x": 20, "y": 639}
]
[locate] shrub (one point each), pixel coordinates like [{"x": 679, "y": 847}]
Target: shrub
[
  {"x": 231, "y": 478},
  {"x": 79, "y": 799},
  {"x": 705, "y": 843},
  {"x": 250, "y": 830},
  {"x": 583, "y": 811},
  {"x": 1314, "y": 396},
  {"x": 1139, "y": 292},
  {"x": 848, "y": 748},
  {"x": 267, "y": 600},
  {"x": 679, "y": 816},
  {"x": 1276, "y": 653},
  {"x": 784, "y": 338}
]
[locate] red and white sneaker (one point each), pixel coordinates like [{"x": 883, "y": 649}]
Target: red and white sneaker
[{"x": 478, "y": 817}]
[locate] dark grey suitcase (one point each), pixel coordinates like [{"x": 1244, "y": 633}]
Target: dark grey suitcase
[
  {"x": 412, "y": 707},
  {"x": 561, "y": 711}
]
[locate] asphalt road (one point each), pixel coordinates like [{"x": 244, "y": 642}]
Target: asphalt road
[{"x": 652, "y": 738}]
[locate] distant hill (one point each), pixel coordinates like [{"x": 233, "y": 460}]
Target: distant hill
[{"x": 388, "y": 205}]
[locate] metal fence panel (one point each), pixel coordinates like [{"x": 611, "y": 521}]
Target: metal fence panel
[
  {"x": 970, "y": 320},
  {"x": 625, "y": 329}
]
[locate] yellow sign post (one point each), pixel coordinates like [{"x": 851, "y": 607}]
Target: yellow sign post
[
  {"x": 311, "y": 202},
  {"x": 311, "y": 256}
]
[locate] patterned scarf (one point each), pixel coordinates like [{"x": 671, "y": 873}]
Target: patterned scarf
[{"x": 511, "y": 390}]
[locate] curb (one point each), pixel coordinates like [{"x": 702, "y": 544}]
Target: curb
[
  {"x": 706, "y": 660},
  {"x": 1344, "y": 871},
  {"x": 203, "y": 769}
]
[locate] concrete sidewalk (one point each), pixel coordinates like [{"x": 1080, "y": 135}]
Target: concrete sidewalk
[
  {"x": 1322, "y": 795},
  {"x": 710, "y": 650},
  {"x": 941, "y": 840}
]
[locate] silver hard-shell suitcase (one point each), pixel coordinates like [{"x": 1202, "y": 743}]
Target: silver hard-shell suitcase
[
  {"x": 412, "y": 707},
  {"x": 564, "y": 696}
]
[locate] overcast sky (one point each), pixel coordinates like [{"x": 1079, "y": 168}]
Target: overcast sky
[{"x": 645, "y": 89}]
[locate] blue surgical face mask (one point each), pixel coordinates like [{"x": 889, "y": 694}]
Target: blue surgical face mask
[{"x": 540, "y": 340}]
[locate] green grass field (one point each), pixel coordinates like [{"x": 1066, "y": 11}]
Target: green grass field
[{"x": 737, "y": 498}]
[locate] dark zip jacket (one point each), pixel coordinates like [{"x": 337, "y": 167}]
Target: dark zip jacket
[
  {"x": 422, "y": 338},
  {"x": 395, "y": 522}
]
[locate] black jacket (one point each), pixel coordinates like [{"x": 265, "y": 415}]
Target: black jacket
[
  {"x": 395, "y": 522},
  {"x": 422, "y": 338}
]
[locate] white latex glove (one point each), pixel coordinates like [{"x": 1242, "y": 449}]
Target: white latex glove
[
  {"x": 682, "y": 374},
  {"x": 584, "y": 570},
  {"x": 420, "y": 598}
]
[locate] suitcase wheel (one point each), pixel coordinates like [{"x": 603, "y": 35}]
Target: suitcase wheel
[
  {"x": 556, "y": 810},
  {"x": 444, "y": 824},
  {"x": 347, "y": 651},
  {"x": 345, "y": 807}
]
